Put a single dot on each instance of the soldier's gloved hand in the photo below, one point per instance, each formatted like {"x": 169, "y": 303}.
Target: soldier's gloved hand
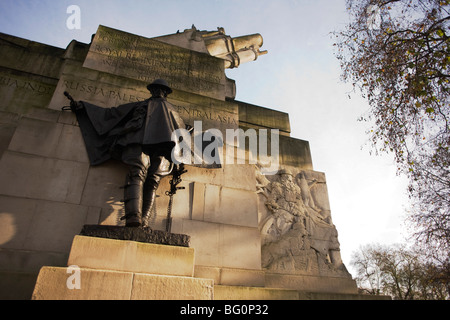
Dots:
{"x": 75, "y": 106}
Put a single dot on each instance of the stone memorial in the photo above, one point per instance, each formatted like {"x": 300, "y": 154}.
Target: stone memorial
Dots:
{"x": 253, "y": 211}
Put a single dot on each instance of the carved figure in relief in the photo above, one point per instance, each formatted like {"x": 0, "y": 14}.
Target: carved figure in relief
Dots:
{"x": 305, "y": 186}
{"x": 295, "y": 235}
{"x": 284, "y": 202}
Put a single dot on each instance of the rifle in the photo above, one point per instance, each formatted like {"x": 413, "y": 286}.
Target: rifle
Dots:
{"x": 73, "y": 104}
{"x": 176, "y": 180}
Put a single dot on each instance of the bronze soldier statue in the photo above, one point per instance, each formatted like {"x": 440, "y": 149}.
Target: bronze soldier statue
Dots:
{"x": 140, "y": 135}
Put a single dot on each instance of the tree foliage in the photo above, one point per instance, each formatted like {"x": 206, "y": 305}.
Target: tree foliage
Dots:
{"x": 397, "y": 53}
{"x": 401, "y": 273}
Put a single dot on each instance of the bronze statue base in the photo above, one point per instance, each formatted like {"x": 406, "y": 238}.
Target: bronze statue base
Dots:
{"x": 141, "y": 234}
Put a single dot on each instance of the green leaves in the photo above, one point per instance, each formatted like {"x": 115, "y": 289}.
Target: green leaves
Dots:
{"x": 440, "y": 33}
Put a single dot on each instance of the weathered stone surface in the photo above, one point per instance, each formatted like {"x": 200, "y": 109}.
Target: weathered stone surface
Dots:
{"x": 155, "y": 287}
{"x": 213, "y": 113}
{"x": 221, "y": 245}
{"x": 231, "y": 277}
{"x": 98, "y": 284}
{"x": 143, "y": 234}
{"x": 145, "y": 59}
{"x": 109, "y": 90}
{"x": 95, "y": 285}
{"x": 311, "y": 283}
{"x": 235, "y": 176}
{"x": 49, "y": 139}
{"x": 41, "y": 225}
{"x": 258, "y": 117}
{"x": 46, "y": 178}
{"x": 298, "y": 236}
{"x": 31, "y": 57}
{"x": 99, "y": 88}
{"x": 102, "y": 185}
{"x": 253, "y": 293}
{"x": 224, "y": 205}
{"x": 23, "y": 92}
{"x": 131, "y": 256}
{"x": 198, "y": 200}
{"x": 16, "y": 285}
{"x": 295, "y": 153}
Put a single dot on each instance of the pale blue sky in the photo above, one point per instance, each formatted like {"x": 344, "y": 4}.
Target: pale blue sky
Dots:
{"x": 300, "y": 75}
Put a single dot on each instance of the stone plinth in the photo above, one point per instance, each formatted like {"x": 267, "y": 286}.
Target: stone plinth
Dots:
{"x": 254, "y": 293}
{"x": 309, "y": 283}
{"x": 115, "y": 285}
{"x": 109, "y": 269}
{"x": 131, "y": 256}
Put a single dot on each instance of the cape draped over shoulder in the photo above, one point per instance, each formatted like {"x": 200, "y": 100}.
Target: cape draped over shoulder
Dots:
{"x": 106, "y": 131}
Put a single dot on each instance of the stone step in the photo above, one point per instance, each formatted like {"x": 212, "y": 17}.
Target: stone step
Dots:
{"x": 131, "y": 256}
{"x": 258, "y": 293}
{"x": 55, "y": 283}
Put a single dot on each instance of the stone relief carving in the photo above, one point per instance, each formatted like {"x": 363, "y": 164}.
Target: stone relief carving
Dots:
{"x": 298, "y": 236}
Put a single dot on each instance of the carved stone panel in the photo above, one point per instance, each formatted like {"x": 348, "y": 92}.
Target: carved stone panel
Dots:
{"x": 21, "y": 92}
{"x": 108, "y": 90}
{"x": 298, "y": 236}
{"x": 146, "y": 59}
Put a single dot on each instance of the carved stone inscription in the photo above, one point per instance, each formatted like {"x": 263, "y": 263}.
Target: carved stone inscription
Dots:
{"x": 211, "y": 116}
{"x": 145, "y": 59}
{"x": 223, "y": 116}
{"x": 20, "y": 92}
{"x": 99, "y": 93}
{"x": 29, "y": 86}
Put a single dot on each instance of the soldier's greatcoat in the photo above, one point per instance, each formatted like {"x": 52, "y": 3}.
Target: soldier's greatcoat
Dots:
{"x": 108, "y": 131}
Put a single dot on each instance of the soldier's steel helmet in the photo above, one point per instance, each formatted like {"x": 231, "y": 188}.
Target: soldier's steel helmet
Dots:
{"x": 161, "y": 83}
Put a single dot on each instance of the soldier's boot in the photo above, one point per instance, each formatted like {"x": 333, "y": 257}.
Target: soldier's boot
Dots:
{"x": 133, "y": 199}
{"x": 147, "y": 206}
{"x": 149, "y": 198}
